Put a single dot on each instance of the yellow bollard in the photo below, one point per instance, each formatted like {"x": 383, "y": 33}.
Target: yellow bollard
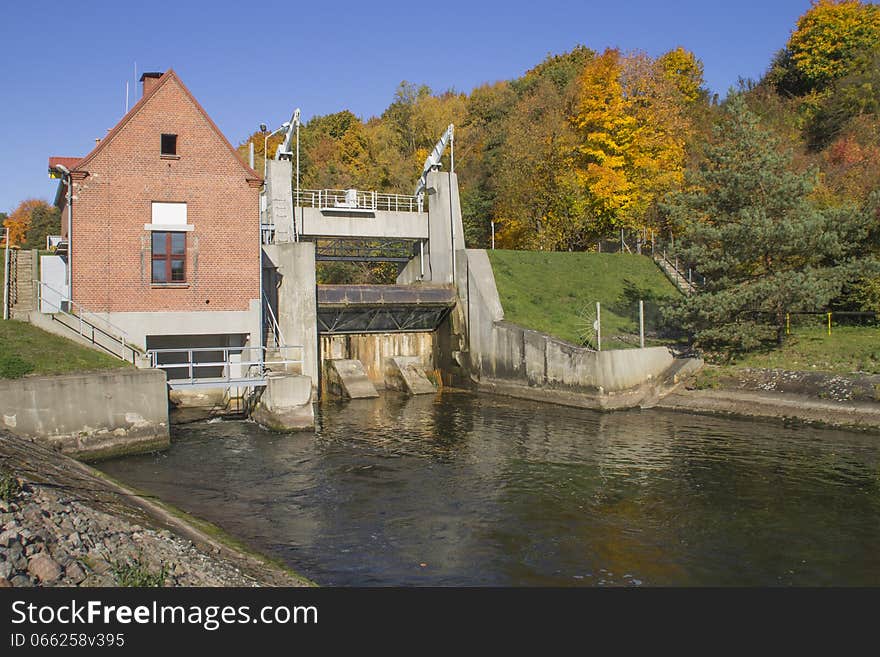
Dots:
{"x": 788, "y": 323}
{"x": 829, "y": 323}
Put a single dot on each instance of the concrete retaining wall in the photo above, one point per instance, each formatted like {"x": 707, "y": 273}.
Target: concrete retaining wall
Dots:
{"x": 91, "y": 415}
{"x": 508, "y": 358}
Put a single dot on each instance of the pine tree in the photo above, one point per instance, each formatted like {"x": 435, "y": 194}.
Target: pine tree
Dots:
{"x": 764, "y": 245}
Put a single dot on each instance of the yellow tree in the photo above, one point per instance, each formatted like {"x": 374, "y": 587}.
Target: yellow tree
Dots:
{"x": 19, "y": 220}
{"x": 633, "y": 128}
{"x": 829, "y": 40}
{"x": 606, "y": 131}
{"x": 682, "y": 68}
{"x": 656, "y": 153}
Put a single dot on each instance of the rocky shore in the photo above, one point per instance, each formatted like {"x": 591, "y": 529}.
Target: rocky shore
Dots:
{"x": 63, "y": 524}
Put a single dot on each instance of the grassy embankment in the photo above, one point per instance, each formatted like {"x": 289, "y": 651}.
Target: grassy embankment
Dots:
{"x": 557, "y": 293}
{"x": 25, "y": 349}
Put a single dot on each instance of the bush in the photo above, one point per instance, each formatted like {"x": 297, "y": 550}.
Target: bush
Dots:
{"x": 14, "y": 367}
{"x": 9, "y": 486}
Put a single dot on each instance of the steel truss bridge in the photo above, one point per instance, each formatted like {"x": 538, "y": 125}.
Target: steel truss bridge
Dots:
{"x": 382, "y": 308}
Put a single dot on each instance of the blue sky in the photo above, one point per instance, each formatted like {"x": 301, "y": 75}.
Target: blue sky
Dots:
{"x": 65, "y": 66}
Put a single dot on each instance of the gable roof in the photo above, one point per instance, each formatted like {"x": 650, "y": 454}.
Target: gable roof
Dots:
{"x": 250, "y": 174}
{"x": 66, "y": 162}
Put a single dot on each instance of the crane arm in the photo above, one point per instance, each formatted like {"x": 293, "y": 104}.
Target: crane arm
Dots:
{"x": 433, "y": 160}
{"x": 283, "y": 152}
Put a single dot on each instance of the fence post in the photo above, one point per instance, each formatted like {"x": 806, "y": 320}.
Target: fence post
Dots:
{"x": 598, "y": 328}
{"x": 641, "y": 324}
{"x": 829, "y": 323}
{"x": 788, "y": 323}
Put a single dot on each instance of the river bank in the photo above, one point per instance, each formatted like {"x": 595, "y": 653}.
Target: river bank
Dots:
{"x": 62, "y": 523}
{"x": 835, "y": 400}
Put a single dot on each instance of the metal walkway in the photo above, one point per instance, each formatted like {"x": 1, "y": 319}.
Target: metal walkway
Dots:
{"x": 224, "y": 367}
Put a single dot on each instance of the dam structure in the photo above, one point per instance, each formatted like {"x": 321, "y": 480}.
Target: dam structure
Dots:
{"x": 441, "y": 321}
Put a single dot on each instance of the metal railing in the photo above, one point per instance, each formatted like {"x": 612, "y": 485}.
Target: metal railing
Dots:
{"x": 272, "y": 323}
{"x": 355, "y": 199}
{"x": 214, "y": 366}
{"x": 86, "y": 323}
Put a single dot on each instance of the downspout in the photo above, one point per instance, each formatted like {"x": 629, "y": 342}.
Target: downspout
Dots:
{"x": 262, "y": 328}
{"x": 6, "y": 279}
{"x": 65, "y": 173}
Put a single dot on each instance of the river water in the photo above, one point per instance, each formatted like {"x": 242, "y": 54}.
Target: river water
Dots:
{"x": 481, "y": 490}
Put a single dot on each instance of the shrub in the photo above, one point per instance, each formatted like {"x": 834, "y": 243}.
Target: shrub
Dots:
{"x": 134, "y": 573}
{"x": 9, "y": 486}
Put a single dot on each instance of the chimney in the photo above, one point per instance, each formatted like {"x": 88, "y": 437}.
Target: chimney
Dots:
{"x": 149, "y": 80}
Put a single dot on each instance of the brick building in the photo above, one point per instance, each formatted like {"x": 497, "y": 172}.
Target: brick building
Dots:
{"x": 165, "y": 225}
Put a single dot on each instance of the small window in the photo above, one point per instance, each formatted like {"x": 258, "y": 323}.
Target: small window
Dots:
{"x": 169, "y": 257}
{"x": 169, "y": 144}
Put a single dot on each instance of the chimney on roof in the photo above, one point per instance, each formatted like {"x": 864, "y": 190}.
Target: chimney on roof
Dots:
{"x": 149, "y": 81}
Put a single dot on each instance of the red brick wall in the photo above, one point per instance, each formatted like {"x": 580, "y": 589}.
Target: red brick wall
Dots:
{"x": 111, "y": 250}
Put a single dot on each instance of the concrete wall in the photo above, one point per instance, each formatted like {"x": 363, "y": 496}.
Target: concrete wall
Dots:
{"x": 502, "y": 352}
{"x": 379, "y": 223}
{"x": 90, "y": 415}
{"x": 138, "y": 325}
{"x": 372, "y": 349}
{"x": 297, "y": 306}
{"x": 446, "y": 232}
{"x": 280, "y": 198}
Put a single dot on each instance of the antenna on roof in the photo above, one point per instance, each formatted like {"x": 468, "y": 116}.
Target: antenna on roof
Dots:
{"x": 126, "y": 96}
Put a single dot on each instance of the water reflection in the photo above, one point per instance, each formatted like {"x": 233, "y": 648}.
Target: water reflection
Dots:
{"x": 461, "y": 489}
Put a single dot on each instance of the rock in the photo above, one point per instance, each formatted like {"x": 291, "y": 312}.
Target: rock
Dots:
{"x": 75, "y": 573}
{"x": 8, "y": 537}
{"x": 22, "y": 580}
{"x": 44, "y": 568}
{"x": 6, "y": 570}
{"x": 5, "y": 583}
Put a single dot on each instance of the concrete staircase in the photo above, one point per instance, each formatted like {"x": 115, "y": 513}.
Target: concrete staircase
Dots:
{"x": 22, "y": 270}
{"x": 673, "y": 274}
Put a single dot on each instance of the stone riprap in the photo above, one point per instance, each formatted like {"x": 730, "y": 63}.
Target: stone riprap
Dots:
{"x": 50, "y": 539}
{"x": 64, "y": 524}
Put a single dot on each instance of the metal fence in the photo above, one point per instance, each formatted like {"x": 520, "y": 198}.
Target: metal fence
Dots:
{"x": 357, "y": 200}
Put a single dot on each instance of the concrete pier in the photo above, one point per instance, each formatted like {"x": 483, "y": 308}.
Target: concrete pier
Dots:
{"x": 286, "y": 403}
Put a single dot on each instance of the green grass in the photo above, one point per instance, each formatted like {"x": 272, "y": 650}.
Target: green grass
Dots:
{"x": 556, "y": 292}
{"x": 25, "y": 349}
{"x": 135, "y": 573}
{"x": 848, "y": 349}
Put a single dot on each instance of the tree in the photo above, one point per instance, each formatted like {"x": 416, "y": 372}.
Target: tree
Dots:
{"x": 685, "y": 71}
{"x": 45, "y": 220}
{"x": 539, "y": 197}
{"x": 764, "y": 244}
{"x": 633, "y": 125}
{"x": 20, "y": 220}
{"x": 829, "y": 42}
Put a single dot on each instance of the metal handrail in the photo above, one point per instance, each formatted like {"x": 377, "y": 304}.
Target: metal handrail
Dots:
{"x": 247, "y": 364}
{"x": 354, "y": 199}
{"x": 276, "y": 328}
{"x": 113, "y": 332}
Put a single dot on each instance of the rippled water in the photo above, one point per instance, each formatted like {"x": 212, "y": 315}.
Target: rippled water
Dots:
{"x": 481, "y": 490}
